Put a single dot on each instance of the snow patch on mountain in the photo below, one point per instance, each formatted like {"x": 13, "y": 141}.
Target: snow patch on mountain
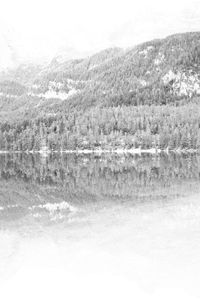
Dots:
{"x": 56, "y": 90}
{"x": 183, "y": 83}
{"x": 159, "y": 60}
{"x": 60, "y": 95}
{"x": 146, "y": 51}
{"x": 6, "y": 95}
{"x": 143, "y": 82}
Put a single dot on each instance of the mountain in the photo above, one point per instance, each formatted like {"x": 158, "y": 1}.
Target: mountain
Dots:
{"x": 158, "y": 62}
{"x": 152, "y": 86}
{"x": 48, "y": 84}
{"x": 68, "y": 53}
{"x": 157, "y": 71}
{"x": 163, "y": 67}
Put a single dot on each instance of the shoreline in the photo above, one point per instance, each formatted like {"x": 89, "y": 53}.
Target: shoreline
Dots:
{"x": 153, "y": 151}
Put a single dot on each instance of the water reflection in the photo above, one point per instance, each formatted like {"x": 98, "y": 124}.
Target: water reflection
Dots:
{"x": 108, "y": 227}
{"x": 54, "y": 188}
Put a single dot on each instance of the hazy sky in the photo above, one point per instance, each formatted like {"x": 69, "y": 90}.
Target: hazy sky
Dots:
{"x": 41, "y": 28}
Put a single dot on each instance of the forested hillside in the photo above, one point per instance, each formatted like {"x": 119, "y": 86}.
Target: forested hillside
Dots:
{"x": 147, "y": 96}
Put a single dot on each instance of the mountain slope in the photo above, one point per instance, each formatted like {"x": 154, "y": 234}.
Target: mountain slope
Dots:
{"x": 159, "y": 71}
{"x": 156, "y": 72}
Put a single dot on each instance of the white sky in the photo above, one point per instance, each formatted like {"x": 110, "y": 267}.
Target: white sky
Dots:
{"x": 41, "y": 28}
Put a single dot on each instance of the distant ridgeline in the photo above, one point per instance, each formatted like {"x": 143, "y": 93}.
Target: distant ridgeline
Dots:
{"x": 147, "y": 96}
{"x": 29, "y": 181}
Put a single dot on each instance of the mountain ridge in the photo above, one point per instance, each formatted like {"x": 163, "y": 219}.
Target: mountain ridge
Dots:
{"x": 170, "y": 65}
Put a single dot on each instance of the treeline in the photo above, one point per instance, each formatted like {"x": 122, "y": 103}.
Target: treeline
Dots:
{"x": 107, "y": 128}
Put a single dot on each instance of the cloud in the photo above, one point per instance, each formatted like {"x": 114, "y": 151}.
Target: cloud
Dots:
{"x": 158, "y": 22}
{"x": 41, "y": 28}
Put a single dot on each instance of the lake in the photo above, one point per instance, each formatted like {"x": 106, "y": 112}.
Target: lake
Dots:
{"x": 99, "y": 226}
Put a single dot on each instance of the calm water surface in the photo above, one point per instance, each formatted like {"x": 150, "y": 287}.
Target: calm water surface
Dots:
{"x": 99, "y": 227}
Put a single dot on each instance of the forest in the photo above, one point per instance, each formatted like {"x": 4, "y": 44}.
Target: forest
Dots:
{"x": 121, "y": 127}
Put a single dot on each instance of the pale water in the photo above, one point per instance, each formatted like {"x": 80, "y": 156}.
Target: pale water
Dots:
{"x": 99, "y": 227}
